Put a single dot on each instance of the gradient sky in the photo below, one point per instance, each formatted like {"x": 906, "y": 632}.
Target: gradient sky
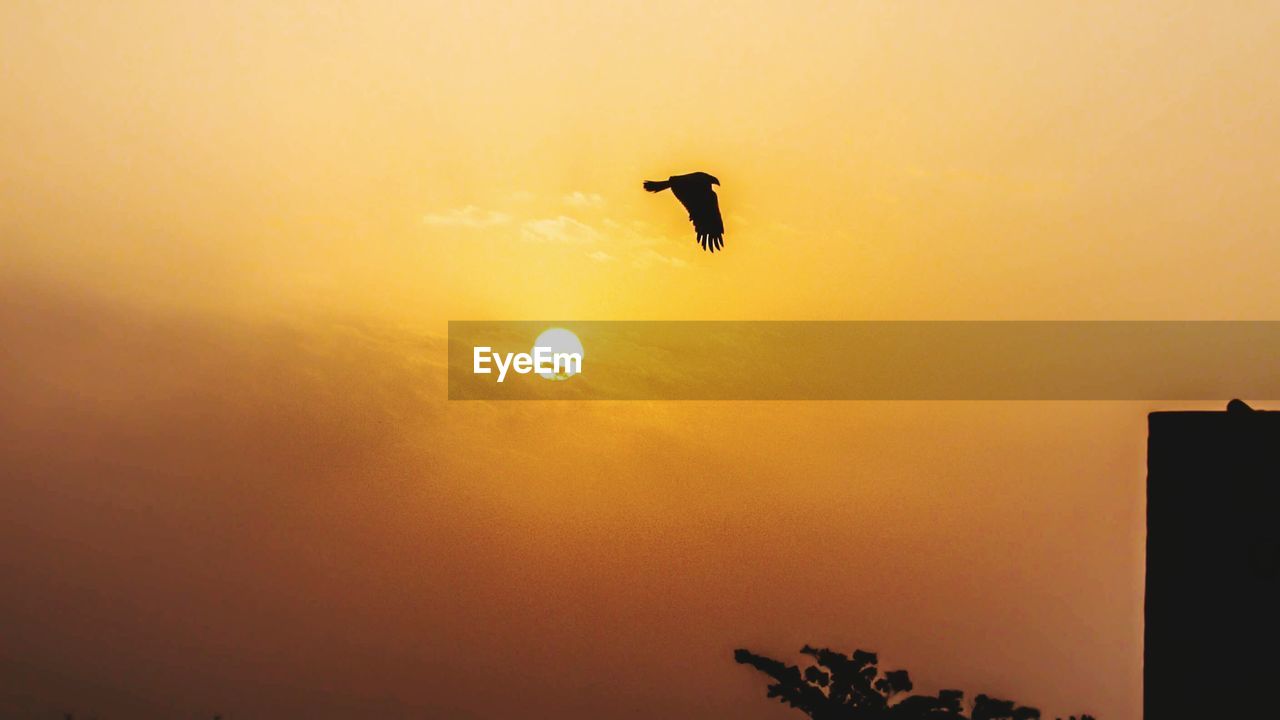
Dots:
{"x": 231, "y": 236}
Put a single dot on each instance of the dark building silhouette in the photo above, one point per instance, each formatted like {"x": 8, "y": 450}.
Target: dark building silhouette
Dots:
{"x": 1213, "y": 564}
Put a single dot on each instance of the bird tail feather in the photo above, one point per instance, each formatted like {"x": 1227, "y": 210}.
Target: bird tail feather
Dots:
{"x": 656, "y": 185}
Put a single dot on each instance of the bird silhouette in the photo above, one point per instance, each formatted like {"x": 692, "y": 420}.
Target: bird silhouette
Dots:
{"x": 695, "y": 193}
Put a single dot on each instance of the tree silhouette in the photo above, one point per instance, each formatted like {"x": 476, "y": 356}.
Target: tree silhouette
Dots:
{"x": 851, "y": 687}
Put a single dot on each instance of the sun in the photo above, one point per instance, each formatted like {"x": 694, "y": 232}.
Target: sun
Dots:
{"x": 560, "y": 340}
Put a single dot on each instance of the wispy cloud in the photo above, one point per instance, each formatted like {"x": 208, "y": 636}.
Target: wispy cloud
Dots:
{"x": 469, "y": 216}
{"x": 580, "y": 199}
{"x": 562, "y": 229}
{"x": 630, "y": 242}
{"x": 646, "y": 257}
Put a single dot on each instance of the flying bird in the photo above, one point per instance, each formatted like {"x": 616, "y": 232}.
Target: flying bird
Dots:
{"x": 695, "y": 193}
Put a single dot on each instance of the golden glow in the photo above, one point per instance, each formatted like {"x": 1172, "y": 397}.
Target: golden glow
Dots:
{"x": 233, "y": 234}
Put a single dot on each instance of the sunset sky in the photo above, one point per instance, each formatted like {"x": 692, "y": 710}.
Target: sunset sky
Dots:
{"x": 232, "y": 234}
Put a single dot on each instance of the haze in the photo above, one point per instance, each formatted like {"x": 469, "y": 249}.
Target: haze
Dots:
{"x": 231, "y": 236}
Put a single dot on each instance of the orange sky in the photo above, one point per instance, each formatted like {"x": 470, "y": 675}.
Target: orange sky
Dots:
{"x": 233, "y": 235}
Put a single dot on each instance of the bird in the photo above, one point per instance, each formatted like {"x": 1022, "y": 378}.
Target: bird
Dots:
{"x": 1239, "y": 406}
{"x": 695, "y": 193}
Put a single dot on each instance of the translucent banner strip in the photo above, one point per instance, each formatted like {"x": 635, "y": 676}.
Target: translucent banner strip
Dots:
{"x": 864, "y": 360}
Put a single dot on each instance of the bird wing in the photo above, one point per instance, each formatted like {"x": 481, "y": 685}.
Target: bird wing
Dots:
{"x": 704, "y": 211}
